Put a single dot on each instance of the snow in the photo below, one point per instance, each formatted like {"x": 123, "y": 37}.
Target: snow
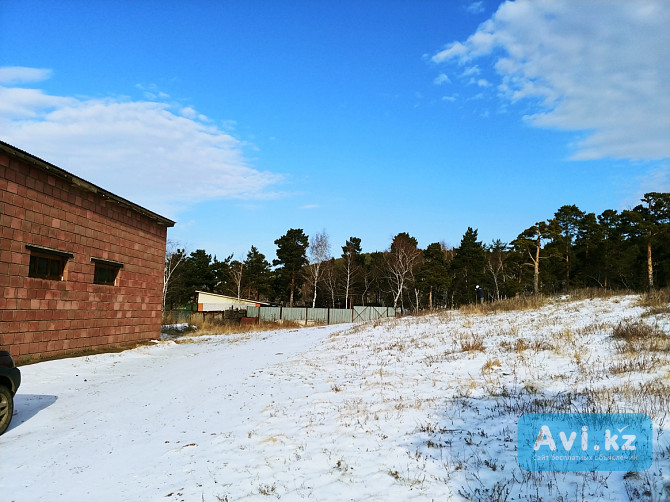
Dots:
{"x": 395, "y": 409}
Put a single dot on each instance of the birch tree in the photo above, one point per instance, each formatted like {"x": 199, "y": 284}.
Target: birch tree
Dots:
{"x": 401, "y": 260}
{"x": 319, "y": 254}
{"x": 330, "y": 279}
{"x": 236, "y": 272}
{"x": 495, "y": 263}
{"x": 173, "y": 258}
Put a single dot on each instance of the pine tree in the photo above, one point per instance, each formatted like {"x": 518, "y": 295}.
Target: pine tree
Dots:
{"x": 224, "y": 282}
{"x": 529, "y": 246}
{"x": 291, "y": 258}
{"x": 587, "y": 269}
{"x": 650, "y": 224}
{"x": 567, "y": 221}
{"x": 608, "y": 248}
{"x": 433, "y": 275}
{"x": 468, "y": 268}
{"x": 257, "y": 275}
{"x": 351, "y": 252}
{"x": 195, "y": 274}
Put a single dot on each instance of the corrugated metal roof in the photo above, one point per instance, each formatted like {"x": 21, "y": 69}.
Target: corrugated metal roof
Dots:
{"x": 206, "y": 297}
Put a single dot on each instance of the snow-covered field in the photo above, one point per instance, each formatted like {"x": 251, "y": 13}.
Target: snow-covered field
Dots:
{"x": 416, "y": 408}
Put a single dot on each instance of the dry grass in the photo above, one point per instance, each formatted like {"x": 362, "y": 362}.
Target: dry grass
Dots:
{"x": 521, "y": 344}
{"x": 637, "y": 338}
{"x": 530, "y": 302}
{"x": 471, "y": 342}
{"x": 656, "y": 301}
{"x": 641, "y": 363}
{"x": 208, "y": 327}
{"x": 591, "y": 293}
{"x": 491, "y": 370}
{"x": 658, "y": 298}
{"x": 490, "y": 364}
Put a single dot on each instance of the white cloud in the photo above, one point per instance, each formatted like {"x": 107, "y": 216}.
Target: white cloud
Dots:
{"x": 601, "y": 67}
{"x": 152, "y": 92}
{"x": 442, "y": 78}
{"x": 454, "y": 50}
{"x": 475, "y": 7}
{"x": 189, "y": 112}
{"x": 25, "y": 104}
{"x": 470, "y": 71}
{"x": 10, "y": 75}
{"x": 145, "y": 151}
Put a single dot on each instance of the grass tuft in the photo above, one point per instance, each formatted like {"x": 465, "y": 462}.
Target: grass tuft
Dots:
{"x": 656, "y": 301}
{"x": 472, "y": 342}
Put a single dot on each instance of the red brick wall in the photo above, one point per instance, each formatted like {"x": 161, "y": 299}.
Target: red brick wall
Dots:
{"x": 42, "y": 318}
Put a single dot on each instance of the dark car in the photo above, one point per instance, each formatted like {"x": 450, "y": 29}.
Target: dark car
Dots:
{"x": 10, "y": 379}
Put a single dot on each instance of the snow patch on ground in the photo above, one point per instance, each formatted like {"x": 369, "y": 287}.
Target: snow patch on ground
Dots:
{"x": 415, "y": 408}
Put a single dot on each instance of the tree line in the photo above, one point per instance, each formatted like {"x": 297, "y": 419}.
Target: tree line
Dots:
{"x": 628, "y": 250}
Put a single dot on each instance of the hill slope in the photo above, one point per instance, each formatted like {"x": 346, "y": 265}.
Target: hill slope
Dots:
{"x": 415, "y": 408}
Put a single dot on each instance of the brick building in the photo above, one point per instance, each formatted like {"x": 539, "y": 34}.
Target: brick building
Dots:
{"x": 80, "y": 268}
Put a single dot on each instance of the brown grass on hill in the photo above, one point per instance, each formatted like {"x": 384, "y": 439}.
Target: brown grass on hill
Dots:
{"x": 209, "y": 327}
{"x": 524, "y": 302}
{"x": 656, "y": 301}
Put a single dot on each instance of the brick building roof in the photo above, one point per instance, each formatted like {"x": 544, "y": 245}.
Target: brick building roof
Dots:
{"x": 76, "y": 180}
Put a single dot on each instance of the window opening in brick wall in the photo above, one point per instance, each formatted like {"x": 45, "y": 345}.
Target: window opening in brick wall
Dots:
{"x": 106, "y": 271}
{"x": 46, "y": 263}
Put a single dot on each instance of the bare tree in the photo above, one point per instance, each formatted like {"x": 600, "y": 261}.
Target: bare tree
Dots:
{"x": 365, "y": 287}
{"x": 173, "y": 258}
{"x": 495, "y": 263}
{"x": 319, "y": 254}
{"x": 236, "y": 269}
{"x": 330, "y": 278}
{"x": 401, "y": 260}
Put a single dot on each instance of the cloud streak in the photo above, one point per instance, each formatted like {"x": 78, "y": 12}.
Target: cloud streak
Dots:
{"x": 600, "y": 67}
{"x": 163, "y": 157}
{"x": 23, "y": 75}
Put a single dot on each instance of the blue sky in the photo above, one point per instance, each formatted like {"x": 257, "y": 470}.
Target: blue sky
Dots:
{"x": 242, "y": 119}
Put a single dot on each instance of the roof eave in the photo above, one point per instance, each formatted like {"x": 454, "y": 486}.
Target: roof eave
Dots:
{"x": 82, "y": 183}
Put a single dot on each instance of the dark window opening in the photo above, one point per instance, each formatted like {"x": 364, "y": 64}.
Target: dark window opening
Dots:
{"x": 46, "y": 267}
{"x": 105, "y": 272}
{"x": 47, "y": 263}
